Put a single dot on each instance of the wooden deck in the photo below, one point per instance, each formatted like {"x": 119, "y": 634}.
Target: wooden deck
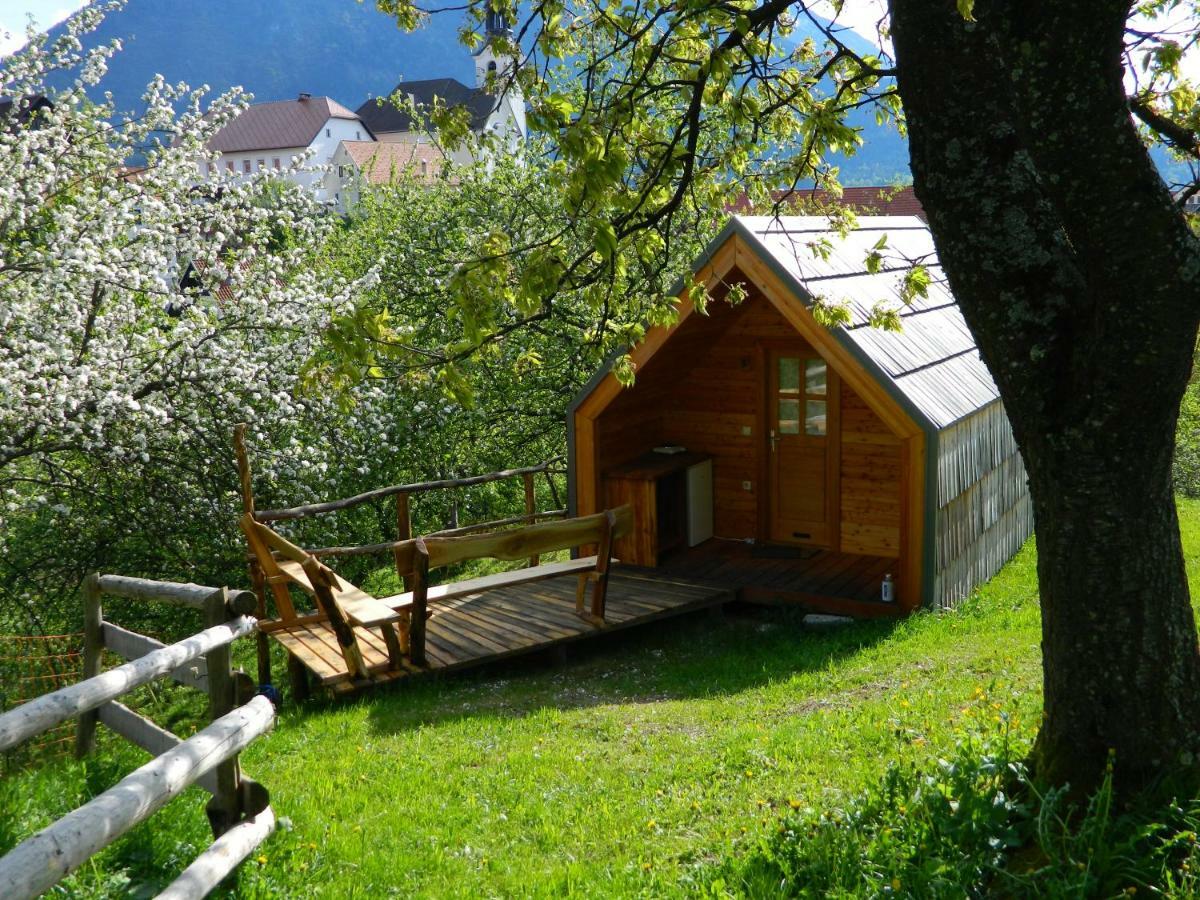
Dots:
{"x": 500, "y": 623}
{"x": 841, "y": 583}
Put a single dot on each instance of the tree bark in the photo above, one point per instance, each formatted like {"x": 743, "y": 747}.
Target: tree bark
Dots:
{"x": 1081, "y": 282}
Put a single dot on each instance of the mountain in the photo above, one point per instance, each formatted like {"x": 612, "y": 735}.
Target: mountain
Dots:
{"x": 340, "y": 48}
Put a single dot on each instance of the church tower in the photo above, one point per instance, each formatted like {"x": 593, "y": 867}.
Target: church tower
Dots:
{"x": 508, "y": 116}
{"x": 486, "y": 61}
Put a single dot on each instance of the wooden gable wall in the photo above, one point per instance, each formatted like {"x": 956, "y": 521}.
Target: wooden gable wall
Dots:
{"x": 702, "y": 383}
{"x": 720, "y": 397}
{"x": 871, "y": 500}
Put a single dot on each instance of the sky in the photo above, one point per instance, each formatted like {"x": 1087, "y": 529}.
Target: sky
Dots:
{"x": 14, "y": 15}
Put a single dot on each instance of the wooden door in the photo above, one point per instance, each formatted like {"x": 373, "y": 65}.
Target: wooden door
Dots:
{"x": 801, "y": 448}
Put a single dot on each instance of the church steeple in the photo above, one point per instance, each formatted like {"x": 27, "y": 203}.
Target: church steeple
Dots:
{"x": 493, "y": 72}
{"x": 496, "y": 25}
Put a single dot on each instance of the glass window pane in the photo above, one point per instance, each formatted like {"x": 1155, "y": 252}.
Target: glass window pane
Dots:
{"x": 814, "y": 417}
{"x": 789, "y": 375}
{"x": 815, "y": 377}
{"x": 789, "y": 416}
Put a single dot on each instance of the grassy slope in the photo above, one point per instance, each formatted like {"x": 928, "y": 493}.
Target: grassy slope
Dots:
{"x": 625, "y": 772}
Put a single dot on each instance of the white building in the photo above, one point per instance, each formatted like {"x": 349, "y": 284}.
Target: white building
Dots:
{"x": 501, "y": 114}
{"x": 278, "y": 134}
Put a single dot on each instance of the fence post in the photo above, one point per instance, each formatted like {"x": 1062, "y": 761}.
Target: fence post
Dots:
{"x": 258, "y": 583}
{"x": 225, "y": 808}
{"x": 530, "y": 508}
{"x": 416, "y": 629}
{"x": 93, "y": 660}
{"x": 403, "y": 533}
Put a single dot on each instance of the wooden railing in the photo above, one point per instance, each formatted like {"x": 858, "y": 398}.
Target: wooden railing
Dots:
{"x": 239, "y": 812}
{"x": 402, "y": 494}
{"x": 403, "y": 511}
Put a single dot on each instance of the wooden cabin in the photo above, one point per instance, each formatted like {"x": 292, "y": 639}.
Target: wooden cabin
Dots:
{"x": 799, "y": 462}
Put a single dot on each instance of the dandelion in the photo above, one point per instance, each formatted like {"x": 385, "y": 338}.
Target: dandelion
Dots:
{"x": 261, "y": 860}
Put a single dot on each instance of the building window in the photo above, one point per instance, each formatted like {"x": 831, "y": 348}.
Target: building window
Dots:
{"x": 246, "y": 166}
{"x": 815, "y": 396}
{"x": 424, "y": 167}
{"x": 358, "y": 135}
{"x": 327, "y": 134}
{"x": 212, "y": 170}
{"x": 261, "y": 164}
{"x": 275, "y": 162}
{"x": 229, "y": 164}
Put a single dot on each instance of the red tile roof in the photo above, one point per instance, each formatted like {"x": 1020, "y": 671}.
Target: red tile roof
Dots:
{"x": 875, "y": 201}
{"x": 381, "y": 161}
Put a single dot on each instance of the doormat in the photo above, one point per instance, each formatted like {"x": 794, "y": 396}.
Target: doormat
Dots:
{"x": 779, "y": 551}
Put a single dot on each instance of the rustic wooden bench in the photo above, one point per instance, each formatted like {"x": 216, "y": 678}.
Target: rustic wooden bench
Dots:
{"x": 356, "y": 637}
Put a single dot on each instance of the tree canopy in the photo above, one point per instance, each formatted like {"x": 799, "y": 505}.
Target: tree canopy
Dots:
{"x": 1071, "y": 259}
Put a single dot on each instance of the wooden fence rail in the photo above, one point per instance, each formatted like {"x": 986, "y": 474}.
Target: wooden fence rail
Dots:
{"x": 45, "y": 712}
{"x": 313, "y": 509}
{"x": 239, "y": 811}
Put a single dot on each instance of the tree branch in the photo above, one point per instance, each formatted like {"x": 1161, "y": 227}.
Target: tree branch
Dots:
{"x": 1182, "y": 138}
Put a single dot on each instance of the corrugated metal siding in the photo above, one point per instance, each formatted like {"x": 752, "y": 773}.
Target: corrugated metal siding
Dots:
{"x": 984, "y": 513}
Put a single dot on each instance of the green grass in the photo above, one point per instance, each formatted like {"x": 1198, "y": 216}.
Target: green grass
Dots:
{"x": 633, "y": 770}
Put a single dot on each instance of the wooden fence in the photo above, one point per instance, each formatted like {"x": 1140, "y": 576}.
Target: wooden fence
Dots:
{"x": 239, "y": 812}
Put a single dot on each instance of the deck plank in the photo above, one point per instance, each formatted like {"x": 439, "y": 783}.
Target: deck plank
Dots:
{"x": 501, "y": 622}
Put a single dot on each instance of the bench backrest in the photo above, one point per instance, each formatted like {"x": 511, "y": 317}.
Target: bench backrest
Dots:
{"x": 531, "y": 540}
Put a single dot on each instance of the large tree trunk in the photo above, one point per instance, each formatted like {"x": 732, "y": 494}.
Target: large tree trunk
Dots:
{"x": 1081, "y": 283}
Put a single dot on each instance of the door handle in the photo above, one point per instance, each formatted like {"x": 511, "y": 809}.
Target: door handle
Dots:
{"x": 774, "y": 440}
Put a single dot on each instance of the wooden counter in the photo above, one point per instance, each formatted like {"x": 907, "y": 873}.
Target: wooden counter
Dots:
{"x": 655, "y": 485}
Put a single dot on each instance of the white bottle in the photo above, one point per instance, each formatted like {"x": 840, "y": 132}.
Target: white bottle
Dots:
{"x": 888, "y": 591}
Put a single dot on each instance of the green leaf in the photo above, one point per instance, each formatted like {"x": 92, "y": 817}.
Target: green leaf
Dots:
{"x": 605, "y": 239}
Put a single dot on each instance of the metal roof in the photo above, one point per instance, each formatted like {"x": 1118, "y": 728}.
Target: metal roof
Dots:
{"x": 384, "y": 117}
{"x": 279, "y": 124}
{"x": 932, "y": 362}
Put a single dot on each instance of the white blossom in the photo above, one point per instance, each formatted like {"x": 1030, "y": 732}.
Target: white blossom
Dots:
{"x": 106, "y": 350}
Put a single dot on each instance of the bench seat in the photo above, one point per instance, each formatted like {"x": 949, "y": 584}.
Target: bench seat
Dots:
{"x": 455, "y": 589}
{"x": 359, "y": 606}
